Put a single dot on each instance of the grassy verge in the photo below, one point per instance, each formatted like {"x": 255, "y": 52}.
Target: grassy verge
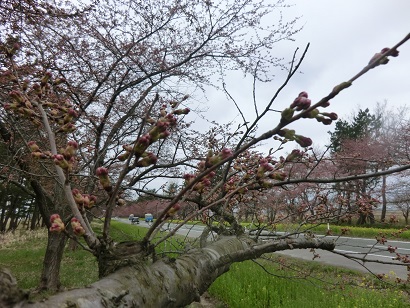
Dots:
{"x": 247, "y": 284}
{"x": 292, "y": 283}
{"x": 390, "y": 231}
{"x": 399, "y": 233}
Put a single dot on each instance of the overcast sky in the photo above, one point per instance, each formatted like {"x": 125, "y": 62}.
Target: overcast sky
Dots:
{"x": 343, "y": 36}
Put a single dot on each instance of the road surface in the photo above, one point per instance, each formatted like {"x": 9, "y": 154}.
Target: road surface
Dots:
{"x": 358, "y": 247}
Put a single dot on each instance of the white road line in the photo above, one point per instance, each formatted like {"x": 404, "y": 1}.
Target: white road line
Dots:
{"x": 362, "y": 253}
{"x": 385, "y": 247}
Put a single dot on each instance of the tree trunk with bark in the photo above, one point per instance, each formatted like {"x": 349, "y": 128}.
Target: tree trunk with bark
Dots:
{"x": 169, "y": 282}
{"x": 50, "y": 275}
{"x": 384, "y": 199}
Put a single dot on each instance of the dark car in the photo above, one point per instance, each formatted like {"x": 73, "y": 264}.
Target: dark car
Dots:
{"x": 134, "y": 219}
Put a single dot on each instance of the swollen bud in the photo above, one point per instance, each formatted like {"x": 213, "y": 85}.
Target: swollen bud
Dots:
{"x": 148, "y": 159}
{"x": 287, "y": 114}
{"x": 45, "y": 79}
{"x": 102, "y": 174}
{"x": 295, "y": 154}
{"x": 57, "y": 224}
{"x": 124, "y": 156}
{"x": 77, "y": 227}
{"x": 279, "y": 176}
{"x": 33, "y": 146}
{"x": 303, "y": 141}
{"x": 287, "y": 133}
{"x": 172, "y": 211}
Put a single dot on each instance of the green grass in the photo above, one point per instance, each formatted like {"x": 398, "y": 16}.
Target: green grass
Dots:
{"x": 248, "y": 285}
{"x": 245, "y": 285}
{"x": 354, "y": 231}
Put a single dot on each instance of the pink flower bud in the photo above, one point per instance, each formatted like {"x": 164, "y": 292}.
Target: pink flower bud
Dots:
{"x": 127, "y": 148}
{"x": 77, "y": 228}
{"x": 54, "y": 217}
{"x": 45, "y": 79}
{"x": 33, "y": 146}
{"x": 149, "y": 159}
{"x": 164, "y": 134}
{"x": 105, "y": 182}
{"x": 301, "y": 103}
{"x": 303, "y": 141}
{"x": 17, "y": 96}
{"x": 225, "y": 153}
{"x": 59, "y": 81}
{"x": 295, "y": 154}
{"x": 57, "y": 224}
{"x": 333, "y": 116}
{"x": 101, "y": 171}
{"x": 279, "y": 176}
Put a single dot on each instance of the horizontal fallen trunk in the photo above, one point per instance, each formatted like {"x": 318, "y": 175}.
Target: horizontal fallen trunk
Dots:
{"x": 172, "y": 283}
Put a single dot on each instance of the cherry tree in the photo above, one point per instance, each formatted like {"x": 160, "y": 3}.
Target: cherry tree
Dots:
{"x": 94, "y": 97}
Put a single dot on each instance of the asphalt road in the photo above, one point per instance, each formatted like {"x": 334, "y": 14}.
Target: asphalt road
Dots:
{"x": 362, "y": 248}
{"x": 356, "y": 247}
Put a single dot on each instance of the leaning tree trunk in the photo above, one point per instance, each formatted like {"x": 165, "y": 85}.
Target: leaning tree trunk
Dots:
{"x": 50, "y": 275}
{"x": 170, "y": 283}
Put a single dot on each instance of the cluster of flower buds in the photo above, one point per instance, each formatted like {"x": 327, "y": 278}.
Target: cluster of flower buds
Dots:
{"x": 147, "y": 159}
{"x": 66, "y": 158}
{"x": 11, "y": 47}
{"x": 61, "y": 113}
{"x": 289, "y": 134}
{"x": 278, "y": 176}
{"x": 105, "y": 182}
{"x": 160, "y": 129}
{"x": 21, "y": 105}
{"x": 383, "y": 60}
{"x": 302, "y": 102}
{"x": 172, "y": 211}
{"x": 267, "y": 172}
{"x": 231, "y": 183}
{"x": 36, "y": 152}
{"x": 60, "y": 161}
{"x": 83, "y": 200}
{"x": 119, "y": 199}
{"x": 212, "y": 159}
{"x": 326, "y": 117}
{"x": 264, "y": 166}
{"x": 203, "y": 183}
{"x": 77, "y": 227}
{"x": 57, "y": 224}
{"x": 294, "y": 155}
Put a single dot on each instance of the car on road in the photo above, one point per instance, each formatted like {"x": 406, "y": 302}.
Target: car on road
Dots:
{"x": 149, "y": 218}
{"x": 134, "y": 219}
